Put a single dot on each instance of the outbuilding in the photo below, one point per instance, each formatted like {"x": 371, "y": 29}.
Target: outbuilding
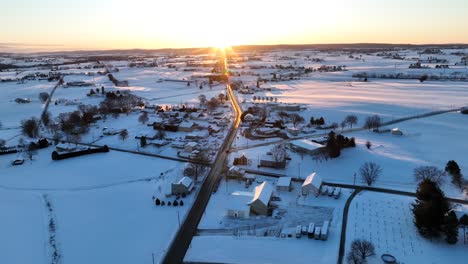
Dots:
{"x": 312, "y": 184}
{"x": 284, "y": 184}
{"x": 261, "y": 199}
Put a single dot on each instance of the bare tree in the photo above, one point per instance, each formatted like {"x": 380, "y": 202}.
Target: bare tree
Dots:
{"x": 202, "y": 99}
{"x": 160, "y": 134}
{"x": 123, "y": 135}
{"x": 343, "y": 125}
{"x": 373, "y": 122}
{"x": 296, "y": 119}
{"x": 429, "y": 173}
{"x": 360, "y": 250}
{"x": 351, "y": 120}
{"x": 199, "y": 164}
{"x": 30, "y": 127}
{"x": 279, "y": 153}
{"x": 369, "y": 172}
{"x": 143, "y": 118}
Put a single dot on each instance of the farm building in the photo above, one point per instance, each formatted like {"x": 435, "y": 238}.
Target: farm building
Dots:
{"x": 184, "y": 185}
{"x": 187, "y": 126}
{"x": 261, "y": 199}
{"x": 191, "y": 146}
{"x": 271, "y": 162}
{"x": 397, "y": 132}
{"x": 306, "y": 146}
{"x": 198, "y": 135}
{"x": 237, "y": 205}
{"x": 312, "y": 184}
{"x": 283, "y": 184}
{"x": 242, "y": 160}
{"x": 66, "y": 147}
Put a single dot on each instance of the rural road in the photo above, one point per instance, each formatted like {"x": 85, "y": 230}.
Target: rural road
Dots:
{"x": 183, "y": 238}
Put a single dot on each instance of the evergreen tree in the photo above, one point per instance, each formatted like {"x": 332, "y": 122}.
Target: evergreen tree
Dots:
{"x": 430, "y": 208}
{"x": 451, "y": 228}
{"x": 332, "y": 146}
{"x": 143, "y": 141}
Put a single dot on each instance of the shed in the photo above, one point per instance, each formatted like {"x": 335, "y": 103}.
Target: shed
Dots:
{"x": 283, "y": 184}
{"x": 261, "y": 199}
{"x": 184, "y": 185}
{"x": 306, "y": 146}
{"x": 312, "y": 184}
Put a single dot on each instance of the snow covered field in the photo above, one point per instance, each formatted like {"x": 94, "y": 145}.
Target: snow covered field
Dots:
{"x": 102, "y": 205}
{"x": 431, "y": 141}
{"x": 386, "y": 220}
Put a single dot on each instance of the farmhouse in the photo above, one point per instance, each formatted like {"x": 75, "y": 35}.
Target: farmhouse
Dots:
{"x": 184, "y": 185}
{"x": 312, "y": 184}
{"x": 283, "y": 184}
{"x": 261, "y": 199}
{"x": 306, "y": 146}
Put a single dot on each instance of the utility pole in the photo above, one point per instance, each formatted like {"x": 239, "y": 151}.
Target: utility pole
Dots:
{"x": 354, "y": 183}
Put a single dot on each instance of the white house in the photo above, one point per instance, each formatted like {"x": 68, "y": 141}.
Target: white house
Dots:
{"x": 283, "y": 184}
{"x": 312, "y": 184}
{"x": 184, "y": 185}
{"x": 191, "y": 146}
{"x": 261, "y": 199}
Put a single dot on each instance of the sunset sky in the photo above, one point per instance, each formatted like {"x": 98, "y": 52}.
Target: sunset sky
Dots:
{"x": 117, "y": 24}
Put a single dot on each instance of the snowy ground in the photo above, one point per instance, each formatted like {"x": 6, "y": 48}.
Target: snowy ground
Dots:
{"x": 97, "y": 200}
{"x": 386, "y": 220}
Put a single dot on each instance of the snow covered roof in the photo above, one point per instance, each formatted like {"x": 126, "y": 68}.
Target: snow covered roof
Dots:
{"x": 238, "y": 202}
{"x": 262, "y": 193}
{"x": 284, "y": 182}
{"x": 186, "y": 124}
{"x": 313, "y": 180}
{"x": 192, "y": 144}
{"x": 186, "y": 181}
{"x": 306, "y": 144}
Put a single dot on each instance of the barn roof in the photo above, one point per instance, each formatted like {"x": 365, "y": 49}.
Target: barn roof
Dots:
{"x": 313, "y": 180}
{"x": 262, "y": 193}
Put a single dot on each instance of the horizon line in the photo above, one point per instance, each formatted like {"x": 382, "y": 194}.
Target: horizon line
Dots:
{"x": 304, "y": 45}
